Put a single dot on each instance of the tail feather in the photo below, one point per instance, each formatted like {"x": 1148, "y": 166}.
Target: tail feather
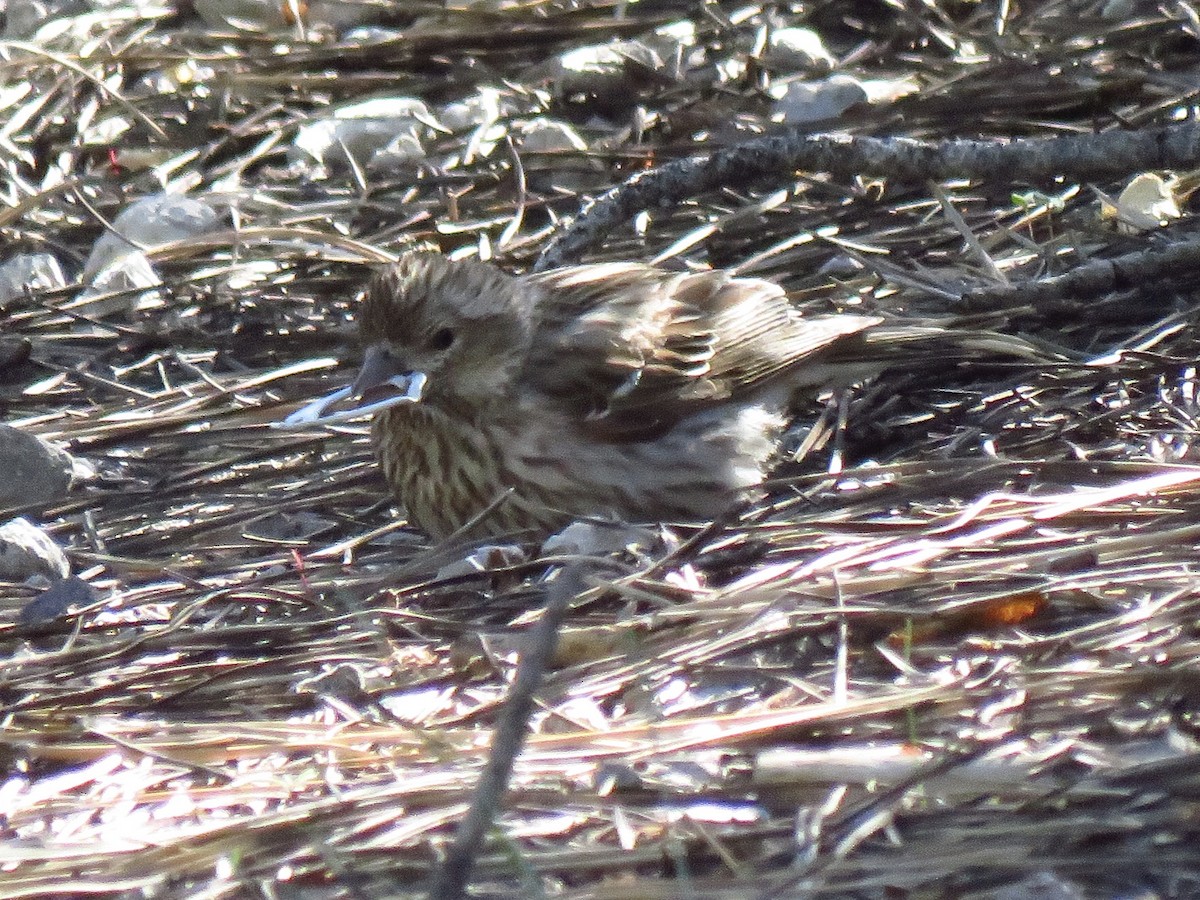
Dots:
{"x": 922, "y": 340}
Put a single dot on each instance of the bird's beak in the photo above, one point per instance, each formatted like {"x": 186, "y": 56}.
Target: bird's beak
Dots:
{"x": 382, "y": 383}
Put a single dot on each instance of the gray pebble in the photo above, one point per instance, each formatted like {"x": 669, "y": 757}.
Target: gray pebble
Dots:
{"x": 31, "y": 470}
{"x": 56, "y": 601}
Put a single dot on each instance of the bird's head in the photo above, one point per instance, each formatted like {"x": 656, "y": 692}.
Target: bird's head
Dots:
{"x": 434, "y": 331}
{"x": 463, "y": 327}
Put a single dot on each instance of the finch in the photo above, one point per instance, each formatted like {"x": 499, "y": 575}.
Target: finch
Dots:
{"x": 520, "y": 403}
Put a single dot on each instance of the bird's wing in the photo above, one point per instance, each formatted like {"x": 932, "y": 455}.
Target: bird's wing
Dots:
{"x": 628, "y": 350}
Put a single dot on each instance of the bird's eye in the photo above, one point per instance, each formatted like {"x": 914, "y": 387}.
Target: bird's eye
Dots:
{"x": 442, "y": 339}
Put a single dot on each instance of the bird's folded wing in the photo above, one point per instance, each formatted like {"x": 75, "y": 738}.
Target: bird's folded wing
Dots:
{"x": 626, "y": 350}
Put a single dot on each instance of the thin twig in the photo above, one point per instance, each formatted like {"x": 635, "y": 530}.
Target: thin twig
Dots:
{"x": 451, "y": 880}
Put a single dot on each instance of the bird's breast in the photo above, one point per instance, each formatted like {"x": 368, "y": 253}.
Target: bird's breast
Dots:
{"x": 447, "y": 469}
{"x": 523, "y": 467}
{"x": 440, "y": 468}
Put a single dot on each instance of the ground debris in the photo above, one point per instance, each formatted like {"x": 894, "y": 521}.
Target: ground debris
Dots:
{"x": 952, "y": 652}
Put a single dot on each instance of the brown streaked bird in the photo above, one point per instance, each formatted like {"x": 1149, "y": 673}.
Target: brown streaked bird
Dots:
{"x": 614, "y": 389}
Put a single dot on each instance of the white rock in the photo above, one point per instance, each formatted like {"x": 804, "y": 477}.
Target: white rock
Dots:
{"x": 482, "y": 108}
{"x": 816, "y": 101}
{"x": 485, "y": 559}
{"x": 544, "y": 135}
{"x": 29, "y": 272}
{"x": 1146, "y": 203}
{"x": 385, "y": 108}
{"x": 127, "y": 282}
{"x": 404, "y": 150}
{"x": 151, "y": 222}
{"x": 26, "y": 550}
{"x": 107, "y": 131}
{"x": 479, "y": 116}
{"x": 598, "y": 539}
{"x": 333, "y": 142}
{"x": 551, "y": 136}
{"x": 362, "y": 130}
{"x": 609, "y": 74}
{"x": 592, "y": 59}
{"x": 802, "y": 101}
{"x": 798, "y": 50}
{"x": 681, "y": 34}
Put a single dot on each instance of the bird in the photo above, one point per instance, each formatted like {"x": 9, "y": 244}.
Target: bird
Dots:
{"x": 519, "y": 403}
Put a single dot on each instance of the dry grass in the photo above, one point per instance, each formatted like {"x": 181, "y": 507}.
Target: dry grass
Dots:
{"x": 953, "y": 654}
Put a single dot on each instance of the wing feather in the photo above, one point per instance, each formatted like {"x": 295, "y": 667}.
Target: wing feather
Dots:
{"x": 628, "y": 350}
